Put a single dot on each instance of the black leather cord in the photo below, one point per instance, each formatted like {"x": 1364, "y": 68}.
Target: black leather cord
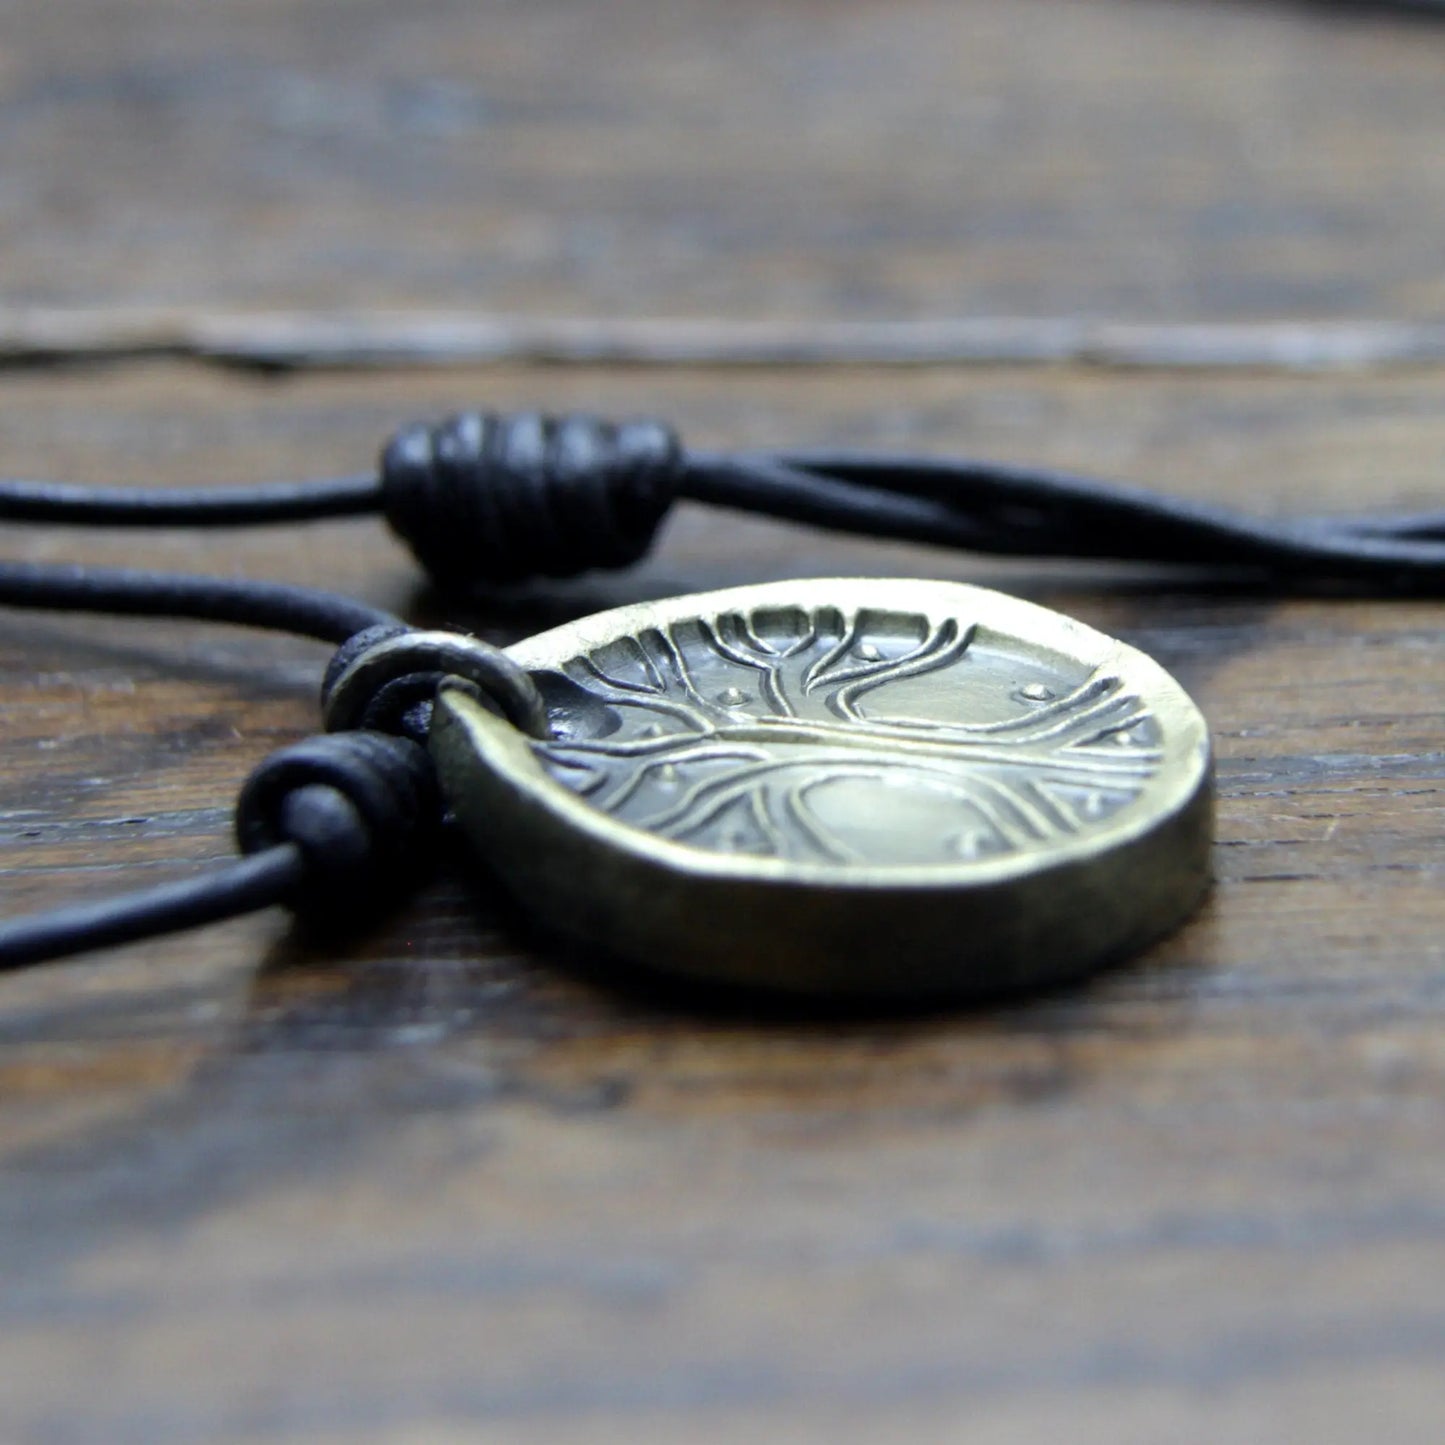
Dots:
{"x": 244, "y": 886}
{"x": 333, "y": 825}
{"x": 484, "y": 500}
{"x": 23, "y": 501}
{"x": 1030, "y": 511}
{"x": 488, "y": 499}
{"x": 274, "y": 605}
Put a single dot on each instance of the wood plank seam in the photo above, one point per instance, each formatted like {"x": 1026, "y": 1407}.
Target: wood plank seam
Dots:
{"x": 287, "y": 340}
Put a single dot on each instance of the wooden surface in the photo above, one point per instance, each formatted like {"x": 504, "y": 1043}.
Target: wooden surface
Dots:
{"x": 428, "y": 1187}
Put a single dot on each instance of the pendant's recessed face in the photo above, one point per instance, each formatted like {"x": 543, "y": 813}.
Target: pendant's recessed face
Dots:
{"x": 854, "y": 786}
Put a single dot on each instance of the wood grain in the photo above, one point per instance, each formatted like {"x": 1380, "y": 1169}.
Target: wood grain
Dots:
{"x": 1116, "y": 159}
{"x": 437, "y": 1183}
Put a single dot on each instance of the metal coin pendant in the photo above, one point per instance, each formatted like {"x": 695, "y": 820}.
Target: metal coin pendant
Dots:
{"x": 856, "y": 787}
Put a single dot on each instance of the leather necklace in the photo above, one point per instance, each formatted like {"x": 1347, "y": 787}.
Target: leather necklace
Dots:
{"x": 854, "y": 788}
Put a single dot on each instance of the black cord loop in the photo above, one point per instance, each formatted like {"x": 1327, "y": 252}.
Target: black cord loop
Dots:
{"x": 499, "y": 499}
{"x": 381, "y": 678}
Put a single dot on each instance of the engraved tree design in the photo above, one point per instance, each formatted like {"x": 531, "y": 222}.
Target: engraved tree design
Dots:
{"x": 769, "y": 732}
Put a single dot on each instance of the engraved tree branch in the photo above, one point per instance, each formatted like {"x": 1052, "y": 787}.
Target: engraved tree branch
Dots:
{"x": 687, "y": 755}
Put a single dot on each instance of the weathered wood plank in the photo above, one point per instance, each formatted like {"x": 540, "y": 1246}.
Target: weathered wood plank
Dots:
{"x": 1133, "y": 159}
{"x": 429, "y": 1185}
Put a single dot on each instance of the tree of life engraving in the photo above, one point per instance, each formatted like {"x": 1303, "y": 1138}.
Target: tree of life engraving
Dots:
{"x": 845, "y": 736}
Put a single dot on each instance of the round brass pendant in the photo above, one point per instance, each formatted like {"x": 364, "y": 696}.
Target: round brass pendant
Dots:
{"x": 847, "y": 787}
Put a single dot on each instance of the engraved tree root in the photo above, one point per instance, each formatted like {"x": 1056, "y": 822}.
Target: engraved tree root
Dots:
{"x": 974, "y": 772}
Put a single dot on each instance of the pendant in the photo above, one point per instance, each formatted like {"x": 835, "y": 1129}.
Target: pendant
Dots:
{"x": 852, "y": 788}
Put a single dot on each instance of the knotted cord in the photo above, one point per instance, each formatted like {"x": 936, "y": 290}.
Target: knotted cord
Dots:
{"x": 484, "y": 500}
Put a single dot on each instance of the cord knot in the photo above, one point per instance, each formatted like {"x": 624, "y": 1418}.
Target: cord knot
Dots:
{"x": 363, "y": 808}
{"x": 481, "y": 498}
